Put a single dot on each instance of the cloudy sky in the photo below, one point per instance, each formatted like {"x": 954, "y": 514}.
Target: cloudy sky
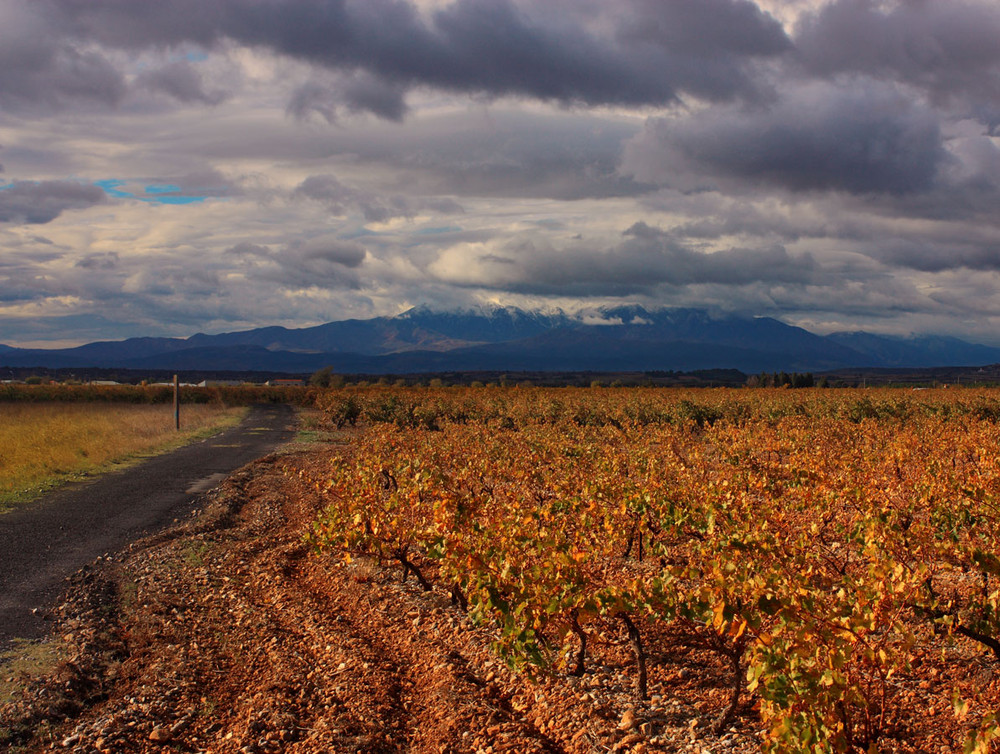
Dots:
{"x": 215, "y": 165}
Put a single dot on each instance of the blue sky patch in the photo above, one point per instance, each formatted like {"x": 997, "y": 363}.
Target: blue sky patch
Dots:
{"x": 167, "y": 193}
{"x": 111, "y": 188}
{"x": 154, "y": 193}
{"x": 162, "y": 188}
{"x": 437, "y": 231}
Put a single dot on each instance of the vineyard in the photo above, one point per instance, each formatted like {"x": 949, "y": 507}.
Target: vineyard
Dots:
{"x": 835, "y": 552}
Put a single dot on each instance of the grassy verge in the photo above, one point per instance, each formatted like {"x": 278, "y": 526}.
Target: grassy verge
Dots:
{"x": 45, "y": 445}
{"x": 26, "y": 660}
{"x": 314, "y": 428}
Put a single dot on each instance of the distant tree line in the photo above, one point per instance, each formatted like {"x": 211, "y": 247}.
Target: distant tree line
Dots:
{"x": 327, "y": 377}
{"x": 784, "y": 379}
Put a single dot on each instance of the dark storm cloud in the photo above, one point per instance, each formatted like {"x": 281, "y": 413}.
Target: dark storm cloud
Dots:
{"x": 493, "y": 47}
{"x": 41, "y": 69}
{"x": 173, "y": 281}
{"x": 34, "y": 202}
{"x": 709, "y": 28}
{"x": 321, "y": 252}
{"x": 679, "y": 264}
{"x": 947, "y": 48}
{"x": 105, "y": 261}
{"x": 328, "y": 190}
{"x": 27, "y": 274}
{"x": 859, "y": 141}
{"x": 247, "y": 250}
{"x": 323, "y": 261}
{"x": 965, "y": 194}
{"x": 704, "y": 43}
{"x": 180, "y": 80}
{"x": 16, "y": 287}
{"x": 364, "y": 93}
{"x": 505, "y": 153}
{"x": 937, "y": 256}
{"x": 341, "y": 199}
{"x": 648, "y": 259}
{"x": 61, "y": 77}
{"x": 358, "y": 93}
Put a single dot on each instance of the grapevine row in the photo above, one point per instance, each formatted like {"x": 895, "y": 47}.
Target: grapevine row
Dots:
{"x": 820, "y": 557}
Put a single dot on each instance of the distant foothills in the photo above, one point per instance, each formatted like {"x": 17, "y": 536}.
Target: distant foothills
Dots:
{"x": 507, "y": 339}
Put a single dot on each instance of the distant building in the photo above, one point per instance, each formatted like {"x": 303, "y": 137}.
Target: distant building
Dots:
{"x": 104, "y": 382}
{"x": 219, "y": 383}
{"x": 285, "y": 383}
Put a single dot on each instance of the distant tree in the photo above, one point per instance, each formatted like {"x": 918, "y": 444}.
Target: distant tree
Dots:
{"x": 326, "y": 378}
{"x": 321, "y": 377}
{"x": 802, "y": 380}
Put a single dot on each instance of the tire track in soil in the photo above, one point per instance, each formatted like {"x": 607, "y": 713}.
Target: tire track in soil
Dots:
{"x": 417, "y": 687}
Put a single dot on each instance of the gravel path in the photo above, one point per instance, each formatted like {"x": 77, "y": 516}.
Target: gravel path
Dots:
{"x": 43, "y": 543}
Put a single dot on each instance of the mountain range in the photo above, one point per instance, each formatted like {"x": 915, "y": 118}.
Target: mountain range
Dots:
{"x": 610, "y": 339}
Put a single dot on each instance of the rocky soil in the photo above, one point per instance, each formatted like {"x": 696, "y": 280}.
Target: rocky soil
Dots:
{"x": 228, "y": 634}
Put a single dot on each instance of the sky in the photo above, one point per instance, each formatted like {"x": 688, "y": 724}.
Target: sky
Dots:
{"x": 215, "y": 165}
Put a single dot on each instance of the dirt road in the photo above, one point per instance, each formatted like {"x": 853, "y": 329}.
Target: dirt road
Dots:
{"x": 43, "y": 543}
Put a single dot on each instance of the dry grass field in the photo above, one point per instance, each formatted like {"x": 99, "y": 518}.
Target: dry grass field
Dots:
{"x": 42, "y": 445}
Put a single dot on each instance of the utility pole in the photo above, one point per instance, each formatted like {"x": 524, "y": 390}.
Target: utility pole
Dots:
{"x": 177, "y": 404}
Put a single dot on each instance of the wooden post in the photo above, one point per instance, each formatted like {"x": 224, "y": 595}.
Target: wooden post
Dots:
{"x": 177, "y": 404}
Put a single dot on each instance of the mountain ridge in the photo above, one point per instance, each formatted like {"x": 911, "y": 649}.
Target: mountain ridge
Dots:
{"x": 507, "y": 338}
